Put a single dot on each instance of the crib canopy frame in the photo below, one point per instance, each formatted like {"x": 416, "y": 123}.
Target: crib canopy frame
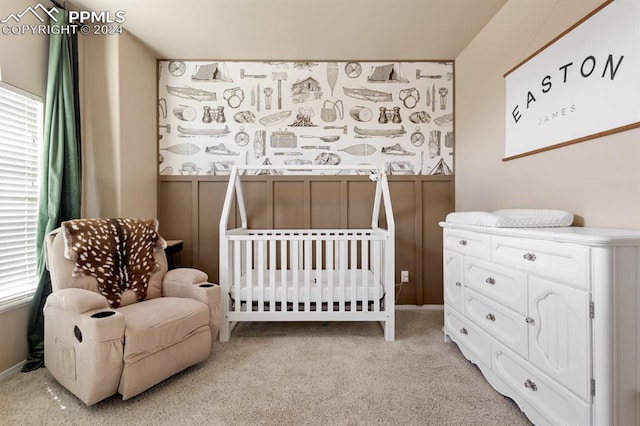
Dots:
{"x": 307, "y": 274}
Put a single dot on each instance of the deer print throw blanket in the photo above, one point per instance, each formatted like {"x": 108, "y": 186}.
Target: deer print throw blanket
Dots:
{"x": 118, "y": 253}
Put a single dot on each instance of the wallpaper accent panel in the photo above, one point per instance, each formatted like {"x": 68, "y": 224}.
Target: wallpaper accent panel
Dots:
{"x": 213, "y": 114}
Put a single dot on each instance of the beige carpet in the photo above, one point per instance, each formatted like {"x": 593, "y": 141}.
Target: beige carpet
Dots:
{"x": 293, "y": 374}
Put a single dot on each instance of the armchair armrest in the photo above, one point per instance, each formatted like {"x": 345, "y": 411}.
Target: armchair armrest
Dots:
{"x": 193, "y": 284}
{"x": 87, "y": 310}
{"x": 190, "y": 283}
{"x": 185, "y": 276}
{"x": 76, "y": 300}
{"x": 84, "y": 343}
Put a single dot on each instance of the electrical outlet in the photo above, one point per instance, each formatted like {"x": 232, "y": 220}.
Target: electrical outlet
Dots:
{"x": 404, "y": 276}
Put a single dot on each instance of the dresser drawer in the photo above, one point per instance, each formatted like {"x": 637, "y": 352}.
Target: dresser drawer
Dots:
{"x": 564, "y": 262}
{"x": 560, "y": 406}
{"x": 468, "y": 336}
{"x": 504, "y": 324}
{"x": 466, "y": 242}
{"x": 504, "y": 285}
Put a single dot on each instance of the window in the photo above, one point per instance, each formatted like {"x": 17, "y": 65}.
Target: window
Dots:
{"x": 20, "y": 137}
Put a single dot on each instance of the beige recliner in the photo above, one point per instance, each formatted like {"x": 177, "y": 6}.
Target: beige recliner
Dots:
{"x": 98, "y": 344}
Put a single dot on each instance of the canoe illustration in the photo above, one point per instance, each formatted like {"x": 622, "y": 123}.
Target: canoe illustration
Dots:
{"x": 275, "y": 118}
{"x": 191, "y": 93}
{"x": 387, "y": 133}
{"x": 188, "y": 131}
{"x": 183, "y": 149}
{"x": 367, "y": 94}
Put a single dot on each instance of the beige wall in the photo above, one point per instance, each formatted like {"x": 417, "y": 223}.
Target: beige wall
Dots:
{"x": 99, "y": 101}
{"x": 597, "y": 180}
{"x": 13, "y": 332}
{"x": 23, "y": 63}
{"x": 138, "y": 135}
{"x": 118, "y": 80}
{"x": 23, "y": 58}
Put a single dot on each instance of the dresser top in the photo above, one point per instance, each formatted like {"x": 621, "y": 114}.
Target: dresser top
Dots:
{"x": 571, "y": 234}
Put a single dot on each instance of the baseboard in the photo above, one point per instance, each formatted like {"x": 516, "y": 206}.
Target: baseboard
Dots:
{"x": 12, "y": 371}
{"x": 419, "y": 307}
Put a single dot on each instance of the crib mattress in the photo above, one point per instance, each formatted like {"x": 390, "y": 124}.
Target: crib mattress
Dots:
{"x": 514, "y": 218}
{"x": 314, "y": 280}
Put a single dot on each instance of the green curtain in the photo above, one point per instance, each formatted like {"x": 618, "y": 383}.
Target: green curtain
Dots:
{"x": 61, "y": 174}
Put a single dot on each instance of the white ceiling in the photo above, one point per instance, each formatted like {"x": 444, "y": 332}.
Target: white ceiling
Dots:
{"x": 302, "y": 29}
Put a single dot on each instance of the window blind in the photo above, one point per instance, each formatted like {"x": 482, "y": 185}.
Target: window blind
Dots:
{"x": 20, "y": 140}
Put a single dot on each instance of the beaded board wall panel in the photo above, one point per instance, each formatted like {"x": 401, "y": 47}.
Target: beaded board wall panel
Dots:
{"x": 214, "y": 114}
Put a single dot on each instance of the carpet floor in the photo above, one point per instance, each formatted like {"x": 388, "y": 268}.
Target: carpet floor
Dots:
{"x": 283, "y": 373}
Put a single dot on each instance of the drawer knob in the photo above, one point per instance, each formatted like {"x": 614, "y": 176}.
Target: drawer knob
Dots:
{"x": 531, "y": 385}
{"x": 530, "y": 257}
{"x": 490, "y": 317}
{"x": 490, "y": 281}
{"x": 458, "y": 284}
{"x": 464, "y": 331}
{"x": 463, "y": 242}
{"x": 530, "y": 320}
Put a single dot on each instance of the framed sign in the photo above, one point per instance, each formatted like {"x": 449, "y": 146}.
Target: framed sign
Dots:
{"x": 583, "y": 85}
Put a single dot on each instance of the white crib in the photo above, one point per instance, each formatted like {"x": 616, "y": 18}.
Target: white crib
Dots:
{"x": 307, "y": 274}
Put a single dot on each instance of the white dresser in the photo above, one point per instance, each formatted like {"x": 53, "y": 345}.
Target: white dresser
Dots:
{"x": 550, "y": 316}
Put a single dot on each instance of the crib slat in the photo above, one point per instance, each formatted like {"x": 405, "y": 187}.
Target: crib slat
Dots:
{"x": 330, "y": 289}
{"x": 353, "y": 272}
{"x": 318, "y": 278}
{"x": 261, "y": 268}
{"x": 336, "y": 258}
{"x": 364, "y": 262}
{"x": 300, "y": 253}
{"x": 307, "y": 275}
{"x": 295, "y": 269}
{"x": 342, "y": 267}
{"x": 237, "y": 260}
{"x": 248, "y": 275}
{"x": 376, "y": 275}
{"x": 283, "y": 273}
{"x": 272, "y": 275}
